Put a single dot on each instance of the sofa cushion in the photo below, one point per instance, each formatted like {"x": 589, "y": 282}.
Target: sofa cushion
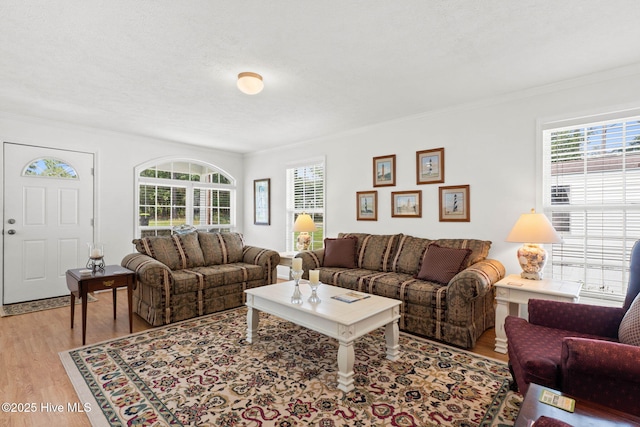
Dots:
{"x": 221, "y": 248}
{"x": 479, "y": 248}
{"x": 441, "y": 264}
{"x": 408, "y": 256}
{"x": 176, "y": 252}
{"x": 375, "y": 252}
{"x": 629, "y": 330}
{"x": 340, "y": 252}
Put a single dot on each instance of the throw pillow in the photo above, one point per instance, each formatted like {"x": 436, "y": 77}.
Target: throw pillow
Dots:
{"x": 340, "y": 252}
{"x": 629, "y": 330}
{"x": 441, "y": 264}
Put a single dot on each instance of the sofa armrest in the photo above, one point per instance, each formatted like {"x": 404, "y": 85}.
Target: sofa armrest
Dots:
{"x": 475, "y": 280}
{"x": 601, "y": 371}
{"x": 311, "y": 260}
{"x": 148, "y": 270}
{"x": 268, "y": 259}
{"x": 584, "y": 318}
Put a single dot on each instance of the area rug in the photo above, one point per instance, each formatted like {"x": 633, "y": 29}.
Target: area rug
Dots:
{"x": 202, "y": 372}
{"x": 39, "y": 305}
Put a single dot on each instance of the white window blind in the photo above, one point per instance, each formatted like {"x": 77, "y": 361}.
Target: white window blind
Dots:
{"x": 305, "y": 194}
{"x": 591, "y": 193}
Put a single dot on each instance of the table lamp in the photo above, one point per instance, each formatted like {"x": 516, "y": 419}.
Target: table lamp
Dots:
{"x": 532, "y": 229}
{"x": 304, "y": 224}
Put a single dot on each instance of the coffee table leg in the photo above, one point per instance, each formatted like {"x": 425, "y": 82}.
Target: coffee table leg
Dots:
{"x": 253, "y": 318}
{"x": 346, "y": 359}
{"x": 392, "y": 336}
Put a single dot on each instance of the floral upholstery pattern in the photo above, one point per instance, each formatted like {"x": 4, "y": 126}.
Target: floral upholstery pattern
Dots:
{"x": 177, "y": 280}
{"x": 457, "y": 312}
{"x": 574, "y": 348}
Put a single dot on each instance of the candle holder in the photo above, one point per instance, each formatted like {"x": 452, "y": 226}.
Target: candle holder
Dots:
{"x": 314, "y": 298}
{"x": 296, "y": 298}
{"x": 96, "y": 257}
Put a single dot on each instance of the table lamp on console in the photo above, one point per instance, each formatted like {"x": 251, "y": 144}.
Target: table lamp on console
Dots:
{"x": 533, "y": 229}
{"x": 304, "y": 224}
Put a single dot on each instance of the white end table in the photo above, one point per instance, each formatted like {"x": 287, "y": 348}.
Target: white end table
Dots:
{"x": 513, "y": 290}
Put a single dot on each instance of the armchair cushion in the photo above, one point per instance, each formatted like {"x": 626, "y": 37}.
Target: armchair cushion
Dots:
{"x": 581, "y": 318}
{"x": 629, "y": 331}
{"x": 441, "y": 264}
{"x": 340, "y": 252}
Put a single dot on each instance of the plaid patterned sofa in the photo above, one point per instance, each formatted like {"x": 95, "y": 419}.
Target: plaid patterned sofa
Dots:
{"x": 457, "y": 312}
{"x": 188, "y": 275}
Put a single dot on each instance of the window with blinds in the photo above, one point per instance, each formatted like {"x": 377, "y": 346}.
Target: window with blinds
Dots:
{"x": 591, "y": 193}
{"x": 177, "y": 193}
{"x": 305, "y": 194}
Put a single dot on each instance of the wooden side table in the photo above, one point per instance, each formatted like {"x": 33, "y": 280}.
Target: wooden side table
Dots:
{"x": 513, "y": 290}
{"x": 585, "y": 414}
{"x": 113, "y": 277}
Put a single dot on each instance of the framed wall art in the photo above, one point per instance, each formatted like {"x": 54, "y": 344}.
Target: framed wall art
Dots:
{"x": 367, "y": 205}
{"x": 430, "y": 166}
{"x": 384, "y": 171}
{"x": 262, "y": 201}
{"x": 406, "y": 204}
{"x": 454, "y": 203}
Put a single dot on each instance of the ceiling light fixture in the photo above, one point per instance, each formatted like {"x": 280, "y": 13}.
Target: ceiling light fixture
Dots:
{"x": 250, "y": 83}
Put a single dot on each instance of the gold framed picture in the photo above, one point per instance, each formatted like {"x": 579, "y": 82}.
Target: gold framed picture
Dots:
{"x": 384, "y": 171}
{"x": 367, "y": 205}
{"x": 406, "y": 204}
{"x": 454, "y": 203}
{"x": 430, "y": 166}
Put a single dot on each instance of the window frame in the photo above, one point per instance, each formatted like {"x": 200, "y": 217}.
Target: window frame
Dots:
{"x": 292, "y": 212}
{"x": 190, "y": 187}
{"x": 628, "y": 234}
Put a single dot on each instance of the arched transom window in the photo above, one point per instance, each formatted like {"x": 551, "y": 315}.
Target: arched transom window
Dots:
{"x": 51, "y": 168}
{"x": 184, "y": 192}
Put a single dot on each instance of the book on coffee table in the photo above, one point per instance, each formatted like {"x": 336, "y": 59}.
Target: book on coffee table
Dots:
{"x": 350, "y": 297}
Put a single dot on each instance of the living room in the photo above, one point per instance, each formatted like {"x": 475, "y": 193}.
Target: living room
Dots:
{"x": 492, "y": 141}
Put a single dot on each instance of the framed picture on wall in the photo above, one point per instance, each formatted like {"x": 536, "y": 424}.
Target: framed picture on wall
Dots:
{"x": 406, "y": 204}
{"x": 261, "y": 202}
{"x": 384, "y": 171}
{"x": 367, "y": 205}
{"x": 454, "y": 203}
{"x": 430, "y": 166}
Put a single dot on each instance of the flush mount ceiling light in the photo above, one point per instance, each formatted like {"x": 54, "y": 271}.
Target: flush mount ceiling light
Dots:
{"x": 250, "y": 83}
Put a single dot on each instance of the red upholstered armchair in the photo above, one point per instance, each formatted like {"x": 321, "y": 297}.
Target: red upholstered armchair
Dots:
{"x": 574, "y": 348}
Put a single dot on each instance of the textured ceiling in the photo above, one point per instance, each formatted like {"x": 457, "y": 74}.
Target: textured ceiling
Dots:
{"x": 167, "y": 69}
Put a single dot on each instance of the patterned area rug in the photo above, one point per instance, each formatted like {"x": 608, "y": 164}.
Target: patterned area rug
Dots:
{"x": 39, "y": 305}
{"x": 203, "y": 372}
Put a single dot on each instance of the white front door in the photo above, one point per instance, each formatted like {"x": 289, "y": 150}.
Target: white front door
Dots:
{"x": 48, "y": 219}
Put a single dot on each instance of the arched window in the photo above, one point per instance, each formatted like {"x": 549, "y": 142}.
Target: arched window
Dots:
{"x": 51, "y": 168}
{"x": 177, "y": 192}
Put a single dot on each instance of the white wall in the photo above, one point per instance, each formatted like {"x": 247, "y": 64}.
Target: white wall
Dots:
{"x": 491, "y": 146}
{"x": 116, "y": 155}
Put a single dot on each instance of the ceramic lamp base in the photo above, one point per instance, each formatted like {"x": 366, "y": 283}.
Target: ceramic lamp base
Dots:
{"x": 532, "y": 259}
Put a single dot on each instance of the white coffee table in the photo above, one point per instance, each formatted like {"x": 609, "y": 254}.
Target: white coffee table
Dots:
{"x": 336, "y": 319}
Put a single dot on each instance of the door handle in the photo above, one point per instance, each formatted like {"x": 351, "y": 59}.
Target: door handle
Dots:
{"x": 11, "y": 232}
{"x": 11, "y": 221}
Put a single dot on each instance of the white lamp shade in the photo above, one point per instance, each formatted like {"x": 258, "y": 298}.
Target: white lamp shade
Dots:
{"x": 533, "y": 228}
{"x": 304, "y": 223}
{"x": 250, "y": 83}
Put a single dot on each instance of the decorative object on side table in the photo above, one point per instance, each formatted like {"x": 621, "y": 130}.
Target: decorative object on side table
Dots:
{"x": 304, "y": 224}
{"x": 296, "y": 273}
{"x": 314, "y": 282}
{"x": 96, "y": 257}
{"x": 532, "y": 229}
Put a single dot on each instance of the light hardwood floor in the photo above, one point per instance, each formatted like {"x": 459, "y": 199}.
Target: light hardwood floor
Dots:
{"x": 31, "y": 370}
